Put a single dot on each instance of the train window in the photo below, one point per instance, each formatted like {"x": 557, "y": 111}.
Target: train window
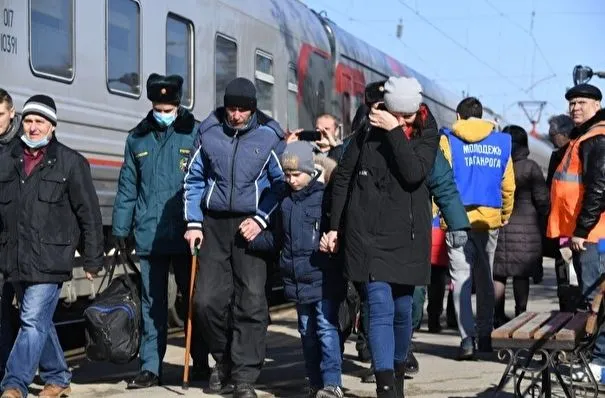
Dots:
{"x": 264, "y": 82}
{"x": 179, "y": 54}
{"x": 123, "y": 47}
{"x": 292, "y": 97}
{"x": 51, "y": 47}
{"x": 225, "y": 66}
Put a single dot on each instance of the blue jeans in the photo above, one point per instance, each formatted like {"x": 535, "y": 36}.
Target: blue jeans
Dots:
{"x": 318, "y": 327}
{"x": 37, "y": 344}
{"x": 390, "y": 329}
{"x": 7, "y": 327}
{"x": 589, "y": 266}
{"x": 154, "y": 305}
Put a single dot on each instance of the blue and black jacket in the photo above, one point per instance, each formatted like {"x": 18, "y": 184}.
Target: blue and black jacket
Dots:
{"x": 236, "y": 171}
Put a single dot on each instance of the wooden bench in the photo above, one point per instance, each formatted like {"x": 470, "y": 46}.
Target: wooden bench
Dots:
{"x": 538, "y": 344}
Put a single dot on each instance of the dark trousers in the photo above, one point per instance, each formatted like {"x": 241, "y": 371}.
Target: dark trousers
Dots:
{"x": 154, "y": 302}
{"x": 436, "y": 292}
{"x": 230, "y": 302}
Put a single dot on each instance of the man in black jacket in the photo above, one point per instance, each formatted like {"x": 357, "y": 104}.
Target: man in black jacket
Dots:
{"x": 577, "y": 213}
{"x": 48, "y": 207}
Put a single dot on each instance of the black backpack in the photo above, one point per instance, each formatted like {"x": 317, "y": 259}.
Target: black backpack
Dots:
{"x": 113, "y": 319}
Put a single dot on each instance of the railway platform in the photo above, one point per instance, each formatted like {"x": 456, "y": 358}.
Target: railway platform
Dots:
{"x": 283, "y": 375}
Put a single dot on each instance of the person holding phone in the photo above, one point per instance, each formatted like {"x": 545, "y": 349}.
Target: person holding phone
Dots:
{"x": 325, "y": 137}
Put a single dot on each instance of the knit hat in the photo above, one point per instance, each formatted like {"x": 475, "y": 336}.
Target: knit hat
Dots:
{"x": 241, "y": 93}
{"x": 402, "y": 94}
{"x": 298, "y": 156}
{"x": 41, "y": 105}
{"x": 164, "y": 89}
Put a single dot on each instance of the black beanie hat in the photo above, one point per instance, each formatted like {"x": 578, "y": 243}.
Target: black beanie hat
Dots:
{"x": 241, "y": 93}
{"x": 41, "y": 105}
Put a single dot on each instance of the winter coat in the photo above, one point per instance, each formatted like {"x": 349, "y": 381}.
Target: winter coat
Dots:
{"x": 482, "y": 217}
{"x": 592, "y": 155}
{"x": 309, "y": 275}
{"x": 150, "y": 188}
{"x": 381, "y": 205}
{"x": 235, "y": 171}
{"x": 519, "y": 250}
{"x": 45, "y": 216}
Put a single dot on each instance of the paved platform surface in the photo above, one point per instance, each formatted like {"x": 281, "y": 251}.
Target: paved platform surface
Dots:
{"x": 283, "y": 376}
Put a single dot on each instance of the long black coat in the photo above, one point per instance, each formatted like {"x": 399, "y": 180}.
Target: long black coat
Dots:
{"x": 381, "y": 205}
{"x": 519, "y": 249}
{"x": 44, "y": 216}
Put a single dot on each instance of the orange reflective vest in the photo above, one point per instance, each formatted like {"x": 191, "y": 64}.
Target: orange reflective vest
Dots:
{"x": 567, "y": 192}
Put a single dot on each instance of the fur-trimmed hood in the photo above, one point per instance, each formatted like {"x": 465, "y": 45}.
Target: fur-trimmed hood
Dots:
{"x": 326, "y": 166}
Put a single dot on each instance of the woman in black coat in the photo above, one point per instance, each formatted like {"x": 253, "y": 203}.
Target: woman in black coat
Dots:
{"x": 519, "y": 250}
{"x": 381, "y": 217}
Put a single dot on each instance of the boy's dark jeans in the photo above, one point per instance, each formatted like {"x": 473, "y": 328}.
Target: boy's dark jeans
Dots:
{"x": 318, "y": 327}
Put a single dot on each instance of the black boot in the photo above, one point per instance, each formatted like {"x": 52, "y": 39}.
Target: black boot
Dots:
{"x": 144, "y": 379}
{"x": 385, "y": 384}
{"x": 369, "y": 376}
{"x": 400, "y": 371}
{"x": 411, "y": 365}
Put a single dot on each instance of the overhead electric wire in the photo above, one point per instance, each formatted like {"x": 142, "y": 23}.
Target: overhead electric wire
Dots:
{"x": 529, "y": 33}
{"x": 466, "y": 49}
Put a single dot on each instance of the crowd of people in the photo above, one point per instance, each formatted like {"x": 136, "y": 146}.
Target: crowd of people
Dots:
{"x": 401, "y": 206}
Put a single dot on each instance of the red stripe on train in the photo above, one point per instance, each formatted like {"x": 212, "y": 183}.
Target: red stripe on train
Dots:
{"x": 104, "y": 162}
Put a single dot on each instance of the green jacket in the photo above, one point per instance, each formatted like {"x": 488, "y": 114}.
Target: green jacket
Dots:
{"x": 444, "y": 192}
{"x": 150, "y": 189}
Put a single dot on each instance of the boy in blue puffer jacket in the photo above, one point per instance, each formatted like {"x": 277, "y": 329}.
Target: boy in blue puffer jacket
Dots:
{"x": 311, "y": 278}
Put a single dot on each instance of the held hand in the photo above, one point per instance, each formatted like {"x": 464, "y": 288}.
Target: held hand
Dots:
{"x": 329, "y": 242}
{"x": 383, "y": 119}
{"x": 90, "y": 275}
{"x": 194, "y": 237}
{"x": 577, "y": 244}
{"x": 249, "y": 229}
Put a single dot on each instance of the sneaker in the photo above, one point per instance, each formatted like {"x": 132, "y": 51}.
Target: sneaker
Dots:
{"x": 369, "y": 376}
{"x": 467, "y": 349}
{"x": 411, "y": 364}
{"x": 330, "y": 392}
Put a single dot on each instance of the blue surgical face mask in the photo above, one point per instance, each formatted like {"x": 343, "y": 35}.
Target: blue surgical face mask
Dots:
{"x": 35, "y": 144}
{"x": 164, "y": 119}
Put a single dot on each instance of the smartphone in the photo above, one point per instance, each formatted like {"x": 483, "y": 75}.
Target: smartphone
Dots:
{"x": 309, "y": 135}
{"x": 374, "y": 92}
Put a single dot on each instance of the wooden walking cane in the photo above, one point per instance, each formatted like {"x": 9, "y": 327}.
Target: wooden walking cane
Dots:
{"x": 189, "y": 314}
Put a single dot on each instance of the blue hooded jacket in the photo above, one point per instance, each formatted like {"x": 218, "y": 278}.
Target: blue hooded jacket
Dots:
{"x": 235, "y": 171}
{"x": 309, "y": 275}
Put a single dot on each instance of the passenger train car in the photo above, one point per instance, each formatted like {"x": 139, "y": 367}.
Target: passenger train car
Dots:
{"x": 94, "y": 56}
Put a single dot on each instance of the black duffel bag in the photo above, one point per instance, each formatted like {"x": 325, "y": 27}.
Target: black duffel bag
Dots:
{"x": 114, "y": 317}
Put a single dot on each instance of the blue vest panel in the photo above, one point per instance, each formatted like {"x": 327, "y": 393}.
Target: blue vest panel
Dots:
{"x": 479, "y": 168}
